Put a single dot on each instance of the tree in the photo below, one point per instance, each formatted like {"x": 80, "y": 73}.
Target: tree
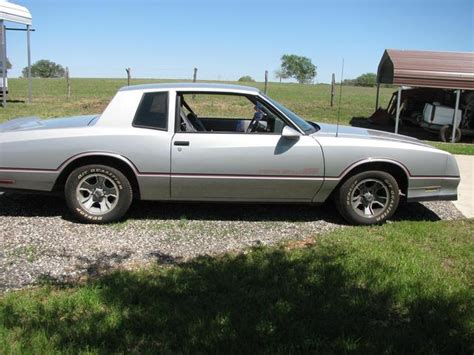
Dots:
{"x": 280, "y": 74}
{"x": 367, "y": 79}
{"x": 246, "y": 79}
{"x": 349, "y": 82}
{"x": 45, "y": 69}
{"x": 9, "y": 64}
{"x": 300, "y": 68}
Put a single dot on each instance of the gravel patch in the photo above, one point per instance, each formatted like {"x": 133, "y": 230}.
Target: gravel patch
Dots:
{"x": 39, "y": 241}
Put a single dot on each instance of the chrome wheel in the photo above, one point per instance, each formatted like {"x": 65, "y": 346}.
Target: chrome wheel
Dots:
{"x": 370, "y": 198}
{"x": 98, "y": 194}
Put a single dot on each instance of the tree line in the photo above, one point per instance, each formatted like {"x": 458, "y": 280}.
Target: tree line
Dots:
{"x": 304, "y": 71}
{"x": 367, "y": 80}
{"x": 292, "y": 67}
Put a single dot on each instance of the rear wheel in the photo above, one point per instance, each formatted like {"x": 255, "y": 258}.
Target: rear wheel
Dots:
{"x": 98, "y": 194}
{"x": 369, "y": 197}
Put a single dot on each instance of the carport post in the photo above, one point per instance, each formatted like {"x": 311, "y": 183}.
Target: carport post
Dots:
{"x": 29, "y": 63}
{"x": 397, "y": 118}
{"x": 377, "y": 97}
{"x": 455, "y": 118}
{"x": 4, "y": 65}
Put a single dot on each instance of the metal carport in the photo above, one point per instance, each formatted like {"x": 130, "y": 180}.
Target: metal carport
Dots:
{"x": 18, "y": 14}
{"x": 444, "y": 70}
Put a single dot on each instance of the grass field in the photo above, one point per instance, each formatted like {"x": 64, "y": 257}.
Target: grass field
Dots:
{"x": 405, "y": 287}
{"x": 92, "y": 95}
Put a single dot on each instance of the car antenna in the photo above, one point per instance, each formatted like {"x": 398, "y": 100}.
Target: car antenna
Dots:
{"x": 340, "y": 97}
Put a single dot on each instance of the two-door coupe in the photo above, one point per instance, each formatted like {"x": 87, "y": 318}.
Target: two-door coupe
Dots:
{"x": 209, "y": 142}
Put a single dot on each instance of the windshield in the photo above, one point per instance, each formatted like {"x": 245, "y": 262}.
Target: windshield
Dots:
{"x": 297, "y": 120}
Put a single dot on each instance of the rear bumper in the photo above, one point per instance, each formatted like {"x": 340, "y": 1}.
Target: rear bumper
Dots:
{"x": 433, "y": 188}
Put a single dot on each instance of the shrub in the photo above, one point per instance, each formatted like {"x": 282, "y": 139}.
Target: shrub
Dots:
{"x": 246, "y": 79}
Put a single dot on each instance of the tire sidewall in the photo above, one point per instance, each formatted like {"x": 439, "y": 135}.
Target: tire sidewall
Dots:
{"x": 123, "y": 203}
{"x": 446, "y": 132}
{"x": 346, "y": 190}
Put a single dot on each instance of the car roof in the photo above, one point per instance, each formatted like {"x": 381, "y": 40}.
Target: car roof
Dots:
{"x": 191, "y": 86}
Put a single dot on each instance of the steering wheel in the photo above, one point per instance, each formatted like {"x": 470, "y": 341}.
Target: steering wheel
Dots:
{"x": 252, "y": 126}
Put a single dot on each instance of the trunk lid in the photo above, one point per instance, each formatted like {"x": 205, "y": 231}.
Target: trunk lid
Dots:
{"x": 35, "y": 123}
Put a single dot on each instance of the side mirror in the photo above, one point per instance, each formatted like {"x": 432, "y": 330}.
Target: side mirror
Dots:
{"x": 290, "y": 133}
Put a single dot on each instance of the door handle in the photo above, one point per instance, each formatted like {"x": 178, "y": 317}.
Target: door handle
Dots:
{"x": 181, "y": 143}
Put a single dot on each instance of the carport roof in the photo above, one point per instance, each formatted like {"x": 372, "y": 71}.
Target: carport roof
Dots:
{"x": 450, "y": 70}
{"x": 14, "y": 13}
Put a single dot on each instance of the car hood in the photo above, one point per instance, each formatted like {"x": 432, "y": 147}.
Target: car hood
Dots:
{"x": 356, "y": 132}
{"x": 35, "y": 123}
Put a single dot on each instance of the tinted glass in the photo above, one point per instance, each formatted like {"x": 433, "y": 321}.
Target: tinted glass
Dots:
{"x": 153, "y": 111}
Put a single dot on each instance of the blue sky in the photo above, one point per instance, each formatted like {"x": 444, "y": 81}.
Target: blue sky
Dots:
{"x": 228, "y": 39}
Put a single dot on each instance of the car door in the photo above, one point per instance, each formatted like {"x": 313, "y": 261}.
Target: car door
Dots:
{"x": 245, "y": 167}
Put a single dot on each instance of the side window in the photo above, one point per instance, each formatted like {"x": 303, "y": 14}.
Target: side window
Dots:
{"x": 226, "y": 113}
{"x": 153, "y": 111}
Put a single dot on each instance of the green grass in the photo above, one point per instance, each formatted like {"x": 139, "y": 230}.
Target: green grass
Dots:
{"x": 405, "y": 287}
{"x": 91, "y": 96}
{"x": 455, "y": 148}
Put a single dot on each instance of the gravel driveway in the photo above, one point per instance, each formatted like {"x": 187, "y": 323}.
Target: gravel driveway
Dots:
{"x": 39, "y": 242}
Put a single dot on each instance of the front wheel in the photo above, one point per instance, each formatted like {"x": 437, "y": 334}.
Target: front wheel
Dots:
{"x": 366, "y": 198}
{"x": 98, "y": 194}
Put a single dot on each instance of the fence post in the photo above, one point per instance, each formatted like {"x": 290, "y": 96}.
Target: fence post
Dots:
{"x": 195, "y": 74}
{"x": 68, "y": 81}
{"x": 129, "y": 75}
{"x": 333, "y": 89}
{"x": 266, "y": 82}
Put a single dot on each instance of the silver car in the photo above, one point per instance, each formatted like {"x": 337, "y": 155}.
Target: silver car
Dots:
{"x": 208, "y": 142}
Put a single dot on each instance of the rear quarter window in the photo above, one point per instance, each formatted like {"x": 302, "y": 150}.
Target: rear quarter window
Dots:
{"x": 153, "y": 111}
